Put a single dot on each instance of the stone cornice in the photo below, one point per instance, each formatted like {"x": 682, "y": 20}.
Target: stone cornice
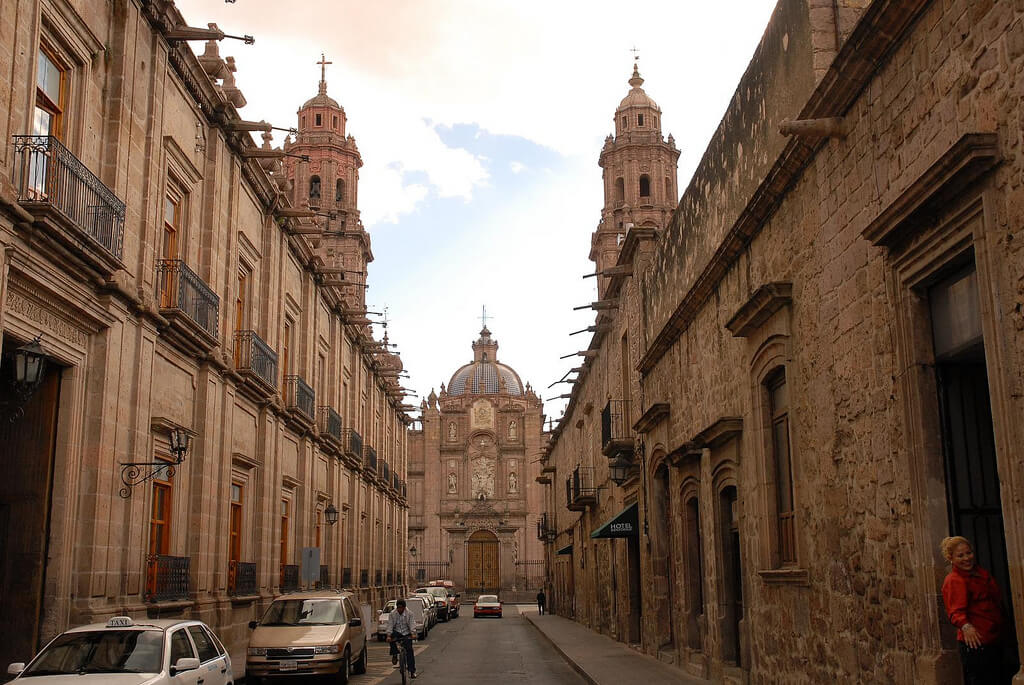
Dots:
{"x": 718, "y": 433}
{"x": 766, "y": 300}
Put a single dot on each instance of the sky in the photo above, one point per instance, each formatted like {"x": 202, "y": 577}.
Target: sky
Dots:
{"x": 480, "y": 123}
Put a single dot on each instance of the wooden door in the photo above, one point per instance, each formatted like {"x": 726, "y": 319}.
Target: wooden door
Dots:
{"x": 482, "y": 562}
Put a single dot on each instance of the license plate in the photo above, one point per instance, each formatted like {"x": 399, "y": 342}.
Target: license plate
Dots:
{"x": 289, "y": 665}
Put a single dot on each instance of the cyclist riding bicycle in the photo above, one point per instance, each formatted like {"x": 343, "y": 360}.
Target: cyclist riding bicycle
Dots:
{"x": 399, "y": 631}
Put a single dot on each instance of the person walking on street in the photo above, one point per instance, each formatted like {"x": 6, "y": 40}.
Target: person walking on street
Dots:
{"x": 541, "y": 600}
{"x": 972, "y": 601}
{"x": 399, "y": 632}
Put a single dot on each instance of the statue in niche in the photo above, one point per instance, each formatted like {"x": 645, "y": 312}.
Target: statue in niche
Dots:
{"x": 513, "y": 482}
{"x": 513, "y": 430}
{"x": 453, "y": 483}
{"x": 453, "y": 431}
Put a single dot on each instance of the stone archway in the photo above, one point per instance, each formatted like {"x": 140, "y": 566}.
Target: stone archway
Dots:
{"x": 482, "y": 562}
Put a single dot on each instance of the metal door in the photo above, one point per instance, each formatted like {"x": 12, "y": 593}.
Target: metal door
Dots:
{"x": 482, "y": 562}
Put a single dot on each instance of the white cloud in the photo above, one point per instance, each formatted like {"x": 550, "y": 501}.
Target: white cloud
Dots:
{"x": 517, "y": 167}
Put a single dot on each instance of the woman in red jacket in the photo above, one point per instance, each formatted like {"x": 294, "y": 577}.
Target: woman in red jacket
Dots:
{"x": 973, "y": 604}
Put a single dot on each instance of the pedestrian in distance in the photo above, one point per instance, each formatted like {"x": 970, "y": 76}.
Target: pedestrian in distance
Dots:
{"x": 972, "y": 600}
{"x": 541, "y": 601}
{"x": 399, "y": 632}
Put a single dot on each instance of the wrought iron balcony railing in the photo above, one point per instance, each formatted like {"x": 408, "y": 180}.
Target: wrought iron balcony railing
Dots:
{"x": 241, "y": 578}
{"x": 352, "y": 442}
{"x": 46, "y": 174}
{"x": 330, "y": 423}
{"x": 299, "y": 396}
{"x": 580, "y": 490}
{"x": 167, "y": 578}
{"x": 369, "y": 458}
{"x": 616, "y": 431}
{"x": 545, "y": 528}
{"x": 180, "y": 289}
{"x": 289, "y": 578}
{"x": 255, "y": 359}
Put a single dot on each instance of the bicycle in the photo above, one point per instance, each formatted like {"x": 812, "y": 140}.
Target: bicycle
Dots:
{"x": 402, "y": 666}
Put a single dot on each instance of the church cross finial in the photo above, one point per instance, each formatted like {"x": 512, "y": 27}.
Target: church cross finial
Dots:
{"x": 636, "y": 54}
{"x": 323, "y": 72}
{"x": 484, "y": 316}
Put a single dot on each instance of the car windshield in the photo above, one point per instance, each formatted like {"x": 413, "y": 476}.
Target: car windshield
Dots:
{"x": 389, "y": 607}
{"x": 487, "y": 599}
{"x": 305, "y": 612}
{"x": 105, "y": 651}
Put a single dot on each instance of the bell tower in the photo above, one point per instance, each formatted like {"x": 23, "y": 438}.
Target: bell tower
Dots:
{"x": 329, "y": 184}
{"x": 639, "y": 171}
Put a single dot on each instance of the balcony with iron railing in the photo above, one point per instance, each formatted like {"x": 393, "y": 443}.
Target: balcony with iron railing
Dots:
{"x": 186, "y": 300}
{"x": 167, "y": 578}
{"x": 69, "y": 201}
{"x": 241, "y": 578}
{"x": 545, "y": 529}
{"x": 580, "y": 490}
{"x": 289, "y": 578}
{"x": 616, "y": 430}
{"x": 369, "y": 459}
{"x": 255, "y": 361}
{"x": 330, "y": 424}
{"x": 352, "y": 443}
{"x": 299, "y": 398}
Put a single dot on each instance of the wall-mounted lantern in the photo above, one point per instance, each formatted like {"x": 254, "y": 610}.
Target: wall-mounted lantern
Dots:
{"x": 331, "y": 513}
{"x": 29, "y": 370}
{"x": 135, "y": 472}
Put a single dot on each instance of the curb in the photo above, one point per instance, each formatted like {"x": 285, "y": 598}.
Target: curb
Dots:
{"x": 569, "y": 660}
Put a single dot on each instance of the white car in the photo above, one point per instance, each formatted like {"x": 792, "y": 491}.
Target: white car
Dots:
{"x": 123, "y": 651}
{"x": 382, "y": 620}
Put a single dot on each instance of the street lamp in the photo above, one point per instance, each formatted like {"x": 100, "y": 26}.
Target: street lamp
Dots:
{"x": 29, "y": 362}
{"x": 331, "y": 513}
{"x": 619, "y": 470}
{"x": 180, "y": 440}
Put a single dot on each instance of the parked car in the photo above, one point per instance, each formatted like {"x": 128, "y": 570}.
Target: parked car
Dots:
{"x": 307, "y": 634}
{"x": 440, "y": 594}
{"x": 152, "y": 651}
{"x": 417, "y": 606}
{"x": 487, "y": 605}
{"x": 453, "y": 597}
{"x": 382, "y": 619}
{"x": 431, "y": 607}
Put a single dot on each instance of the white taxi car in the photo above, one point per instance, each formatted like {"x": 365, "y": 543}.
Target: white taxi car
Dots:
{"x": 124, "y": 651}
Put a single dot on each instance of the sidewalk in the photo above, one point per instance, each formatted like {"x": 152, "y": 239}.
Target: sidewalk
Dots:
{"x": 600, "y": 659}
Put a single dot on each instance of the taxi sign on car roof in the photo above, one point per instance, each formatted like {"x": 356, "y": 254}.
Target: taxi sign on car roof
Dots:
{"x": 120, "y": 622}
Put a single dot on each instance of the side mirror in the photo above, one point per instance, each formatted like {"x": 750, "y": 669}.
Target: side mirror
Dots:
{"x": 355, "y": 622}
{"x": 16, "y": 668}
{"x": 185, "y": 664}
{"x": 253, "y": 624}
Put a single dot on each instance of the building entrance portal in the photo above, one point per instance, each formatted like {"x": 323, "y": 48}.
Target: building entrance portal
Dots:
{"x": 482, "y": 567}
{"x": 26, "y": 452}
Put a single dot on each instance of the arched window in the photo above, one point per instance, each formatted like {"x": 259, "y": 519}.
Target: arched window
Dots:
{"x": 645, "y": 186}
{"x": 339, "y": 190}
{"x": 620, "y": 190}
{"x": 314, "y": 189}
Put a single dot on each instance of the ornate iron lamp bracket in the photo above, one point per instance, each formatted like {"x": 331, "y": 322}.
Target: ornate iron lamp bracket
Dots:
{"x": 136, "y": 472}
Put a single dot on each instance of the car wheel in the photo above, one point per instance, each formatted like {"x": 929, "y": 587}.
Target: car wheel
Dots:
{"x": 346, "y": 665}
{"x": 360, "y": 666}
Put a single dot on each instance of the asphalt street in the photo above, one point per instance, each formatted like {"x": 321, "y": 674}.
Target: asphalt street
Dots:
{"x": 470, "y": 651}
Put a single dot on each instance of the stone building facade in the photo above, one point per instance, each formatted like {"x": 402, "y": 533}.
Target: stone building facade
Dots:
{"x": 177, "y": 281}
{"x": 473, "y": 501}
{"x": 811, "y": 372}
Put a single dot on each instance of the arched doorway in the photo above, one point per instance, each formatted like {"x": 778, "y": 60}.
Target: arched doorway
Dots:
{"x": 482, "y": 562}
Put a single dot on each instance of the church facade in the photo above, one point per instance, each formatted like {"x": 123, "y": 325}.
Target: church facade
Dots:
{"x": 474, "y": 503}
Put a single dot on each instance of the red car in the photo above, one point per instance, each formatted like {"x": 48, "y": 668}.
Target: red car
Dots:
{"x": 487, "y": 605}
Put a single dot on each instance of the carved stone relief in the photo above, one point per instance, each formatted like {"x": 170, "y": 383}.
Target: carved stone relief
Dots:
{"x": 482, "y": 414}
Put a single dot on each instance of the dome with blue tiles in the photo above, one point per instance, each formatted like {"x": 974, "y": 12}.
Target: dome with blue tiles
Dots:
{"x": 485, "y": 375}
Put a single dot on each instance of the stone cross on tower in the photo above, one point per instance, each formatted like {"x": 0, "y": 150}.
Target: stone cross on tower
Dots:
{"x": 483, "y": 315}
{"x": 323, "y": 72}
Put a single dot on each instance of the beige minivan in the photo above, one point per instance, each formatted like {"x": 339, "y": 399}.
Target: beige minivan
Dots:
{"x": 318, "y": 633}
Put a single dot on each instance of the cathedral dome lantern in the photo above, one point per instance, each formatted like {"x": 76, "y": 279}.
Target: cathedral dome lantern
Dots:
{"x": 321, "y": 114}
{"x": 637, "y": 111}
{"x": 485, "y": 375}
